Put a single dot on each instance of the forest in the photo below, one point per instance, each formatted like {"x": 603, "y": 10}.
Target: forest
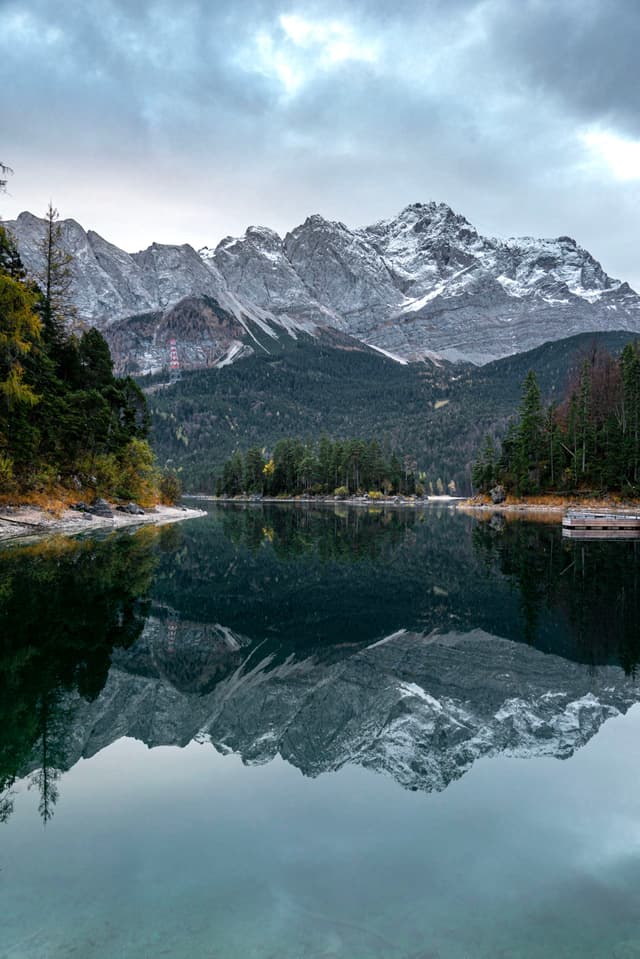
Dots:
{"x": 439, "y": 412}
{"x": 68, "y": 426}
{"x": 588, "y": 442}
{"x": 340, "y": 467}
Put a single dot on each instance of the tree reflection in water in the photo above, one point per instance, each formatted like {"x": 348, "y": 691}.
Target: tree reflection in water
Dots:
{"x": 64, "y": 605}
{"x": 282, "y": 583}
{"x": 591, "y": 588}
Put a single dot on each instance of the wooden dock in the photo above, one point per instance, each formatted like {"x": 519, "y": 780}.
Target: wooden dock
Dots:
{"x": 600, "y": 524}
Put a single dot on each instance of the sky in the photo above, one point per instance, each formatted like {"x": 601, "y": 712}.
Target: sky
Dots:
{"x": 188, "y": 121}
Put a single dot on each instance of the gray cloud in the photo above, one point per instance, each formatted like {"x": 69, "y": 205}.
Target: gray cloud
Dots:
{"x": 152, "y": 120}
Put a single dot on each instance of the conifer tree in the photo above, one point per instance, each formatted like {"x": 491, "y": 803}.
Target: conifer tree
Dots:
{"x": 530, "y": 436}
{"x": 584, "y": 423}
{"x": 254, "y": 471}
{"x": 57, "y": 309}
{"x": 19, "y": 330}
{"x": 483, "y": 474}
{"x": 552, "y": 432}
{"x": 325, "y": 463}
{"x": 630, "y": 363}
{"x": 10, "y": 262}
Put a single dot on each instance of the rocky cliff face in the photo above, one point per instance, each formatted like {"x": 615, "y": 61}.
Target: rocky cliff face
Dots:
{"x": 422, "y": 709}
{"x": 107, "y": 283}
{"x": 208, "y": 336}
{"x": 424, "y": 282}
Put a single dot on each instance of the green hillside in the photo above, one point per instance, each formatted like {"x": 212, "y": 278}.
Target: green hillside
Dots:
{"x": 439, "y": 414}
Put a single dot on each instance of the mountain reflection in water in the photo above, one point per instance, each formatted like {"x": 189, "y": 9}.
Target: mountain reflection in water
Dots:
{"x": 410, "y": 643}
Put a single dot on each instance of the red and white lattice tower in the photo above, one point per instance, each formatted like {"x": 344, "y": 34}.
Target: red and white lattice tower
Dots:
{"x": 174, "y": 362}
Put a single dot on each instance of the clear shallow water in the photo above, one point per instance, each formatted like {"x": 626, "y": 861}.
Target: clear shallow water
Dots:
{"x": 370, "y": 737}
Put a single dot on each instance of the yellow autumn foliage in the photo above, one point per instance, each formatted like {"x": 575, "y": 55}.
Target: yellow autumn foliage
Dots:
{"x": 19, "y": 330}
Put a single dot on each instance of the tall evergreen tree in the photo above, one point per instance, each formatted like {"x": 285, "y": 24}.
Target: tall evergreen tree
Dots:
{"x": 254, "y": 471}
{"x": 10, "y": 262}
{"x": 584, "y": 419}
{"x": 631, "y": 416}
{"x": 530, "y": 436}
{"x": 483, "y": 474}
{"x": 56, "y": 309}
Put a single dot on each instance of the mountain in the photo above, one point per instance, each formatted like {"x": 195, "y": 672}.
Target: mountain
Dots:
{"x": 421, "y": 285}
{"x": 438, "y": 412}
{"x": 412, "y": 643}
{"x": 141, "y": 300}
{"x": 420, "y": 708}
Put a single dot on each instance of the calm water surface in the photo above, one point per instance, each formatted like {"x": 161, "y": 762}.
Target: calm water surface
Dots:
{"x": 278, "y": 732}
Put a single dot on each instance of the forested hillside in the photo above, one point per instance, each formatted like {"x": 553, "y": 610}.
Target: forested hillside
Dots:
{"x": 588, "y": 442}
{"x": 68, "y": 426}
{"x": 438, "y": 414}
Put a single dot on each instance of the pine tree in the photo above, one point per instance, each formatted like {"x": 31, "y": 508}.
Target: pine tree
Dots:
{"x": 325, "y": 464}
{"x": 57, "y": 310}
{"x": 94, "y": 361}
{"x": 630, "y": 363}
{"x": 233, "y": 475}
{"x": 10, "y": 262}
{"x": 529, "y": 436}
{"x": 483, "y": 473}
{"x": 307, "y": 468}
{"x": 584, "y": 423}
{"x": 554, "y": 449}
{"x": 254, "y": 471}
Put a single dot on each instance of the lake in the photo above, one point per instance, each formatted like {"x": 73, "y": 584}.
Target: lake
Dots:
{"x": 311, "y": 733}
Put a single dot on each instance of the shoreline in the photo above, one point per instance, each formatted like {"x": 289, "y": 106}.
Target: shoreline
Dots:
{"x": 356, "y": 501}
{"x": 28, "y": 523}
{"x": 554, "y": 508}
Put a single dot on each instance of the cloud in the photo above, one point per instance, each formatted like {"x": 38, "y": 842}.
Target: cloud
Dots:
{"x": 296, "y": 49}
{"x": 150, "y": 120}
{"x": 618, "y": 154}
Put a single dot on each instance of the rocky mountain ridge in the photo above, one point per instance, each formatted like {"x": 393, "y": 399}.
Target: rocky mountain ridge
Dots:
{"x": 420, "y": 285}
{"x": 420, "y": 708}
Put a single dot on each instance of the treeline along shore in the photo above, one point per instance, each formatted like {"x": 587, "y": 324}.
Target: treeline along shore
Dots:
{"x": 70, "y": 430}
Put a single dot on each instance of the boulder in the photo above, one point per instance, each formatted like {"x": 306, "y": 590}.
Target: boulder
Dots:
{"x": 132, "y": 509}
{"x": 497, "y": 494}
{"x": 100, "y": 507}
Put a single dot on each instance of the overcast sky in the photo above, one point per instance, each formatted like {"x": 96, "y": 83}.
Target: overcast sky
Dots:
{"x": 188, "y": 120}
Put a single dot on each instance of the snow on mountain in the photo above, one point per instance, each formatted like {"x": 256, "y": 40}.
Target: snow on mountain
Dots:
{"x": 135, "y": 299}
{"x": 422, "y": 709}
{"x": 425, "y": 246}
{"x": 420, "y": 284}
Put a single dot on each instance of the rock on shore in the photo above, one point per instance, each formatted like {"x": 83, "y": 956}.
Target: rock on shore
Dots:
{"x": 33, "y": 523}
